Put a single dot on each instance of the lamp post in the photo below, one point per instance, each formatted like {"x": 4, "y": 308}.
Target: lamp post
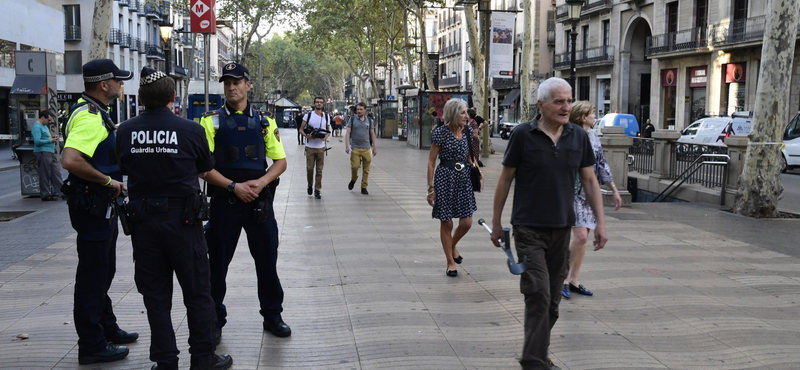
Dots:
{"x": 574, "y": 15}
{"x": 166, "y": 35}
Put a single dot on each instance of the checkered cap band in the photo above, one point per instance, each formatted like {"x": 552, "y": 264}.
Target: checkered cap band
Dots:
{"x": 152, "y": 78}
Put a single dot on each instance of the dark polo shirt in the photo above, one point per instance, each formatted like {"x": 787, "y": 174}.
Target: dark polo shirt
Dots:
{"x": 546, "y": 173}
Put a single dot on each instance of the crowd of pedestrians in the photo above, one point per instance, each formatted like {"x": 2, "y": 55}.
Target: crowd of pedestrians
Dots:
{"x": 555, "y": 160}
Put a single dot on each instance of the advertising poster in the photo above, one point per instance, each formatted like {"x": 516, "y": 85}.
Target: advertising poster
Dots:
{"x": 501, "y": 53}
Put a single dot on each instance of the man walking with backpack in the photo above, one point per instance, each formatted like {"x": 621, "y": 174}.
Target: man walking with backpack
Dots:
{"x": 362, "y": 133}
{"x": 316, "y": 138}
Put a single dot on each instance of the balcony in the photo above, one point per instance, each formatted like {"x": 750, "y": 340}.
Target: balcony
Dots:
{"x": 134, "y": 6}
{"x": 72, "y": 33}
{"x": 125, "y": 41}
{"x": 583, "y": 58}
{"x": 686, "y": 40}
{"x": 551, "y": 38}
{"x": 153, "y": 11}
{"x": 505, "y": 83}
{"x": 738, "y": 31}
{"x": 140, "y": 8}
{"x": 154, "y": 51}
{"x": 124, "y": 2}
{"x": 178, "y": 71}
{"x": 450, "y": 82}
{"x": 589, "y": 7}
{"x": 134, "y": 44}
{"x": 450, "y": 50}
{"x": 115, "y": 36}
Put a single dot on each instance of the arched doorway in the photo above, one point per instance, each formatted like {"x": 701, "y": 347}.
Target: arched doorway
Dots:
{"x": 635, "y": 89}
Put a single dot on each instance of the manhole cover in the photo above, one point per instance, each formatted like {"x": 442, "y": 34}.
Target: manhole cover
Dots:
{"x": 8, "y": 216}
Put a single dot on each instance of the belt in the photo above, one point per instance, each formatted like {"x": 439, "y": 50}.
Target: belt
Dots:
{"x": 456, "y": 165}
{"x": 156, "y": 205}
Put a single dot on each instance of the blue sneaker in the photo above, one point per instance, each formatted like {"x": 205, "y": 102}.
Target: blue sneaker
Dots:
{"x": 565, "y": 291}
{"x": 580, "y": 289}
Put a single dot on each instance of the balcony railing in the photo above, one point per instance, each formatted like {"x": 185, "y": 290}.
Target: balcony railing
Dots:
{"x": 115, "y": 36}
{"x": 154, "y": 51}
{"x": 450, "y": 50}
{"x": 72, "y": 33}
{"x": 140, "y": 8}
{"x": 153, "y": 11}
{"x": 134, "y": 43}
{"x": 738, "y": 31}
{"x": 589, "y": 7}
{"x": 134, "y": 6}
{"x": 690, "y": 39}
{"x": 505, "y": 83}
{"x": 125, "y": 40}
{"x": 551, "y": 38}
{"x": 594, "y": 56}
{"x": 124, "y": 2}
{"x": 450, "y": 82}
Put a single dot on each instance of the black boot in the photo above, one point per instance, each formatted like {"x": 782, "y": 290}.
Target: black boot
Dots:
{"x": 211, "y": 362}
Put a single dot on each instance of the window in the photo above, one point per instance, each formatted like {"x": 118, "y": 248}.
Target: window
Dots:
{"x": 73, "y": 61}
{"x": 739, "y": 9}
{"x": 672, "y": 17}
{"x": 72, "y": 15}
{"x": 606, "y": 32}
{"x": 701, "y": 13}
{"x": 583, "y": 88}
{"x": 568, "y": 41}
{"x": 585, "y": 31}
{"x": 7, "y": 53}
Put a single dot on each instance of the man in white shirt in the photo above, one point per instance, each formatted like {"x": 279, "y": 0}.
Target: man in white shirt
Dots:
{"x": 315, "y": 145}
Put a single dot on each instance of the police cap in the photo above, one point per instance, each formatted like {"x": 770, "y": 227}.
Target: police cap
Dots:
{"x": 104, "y": 69}
{"x": 236, "y": 71}
{"x": 150, "y": 75}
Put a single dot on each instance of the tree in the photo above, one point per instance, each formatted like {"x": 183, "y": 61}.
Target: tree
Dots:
{"x": 524, "y": 79}
{"x": 253, "y": 14}
{"x": 759, "y": 184}
{"x": 417, "y": 8}
{"x": 476, "y": 60}
{"x": 101, "y": 27}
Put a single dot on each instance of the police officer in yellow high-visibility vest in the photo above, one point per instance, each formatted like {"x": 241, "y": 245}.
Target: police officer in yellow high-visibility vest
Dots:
{"x": 240, "y": 197}
{"x": 94, "y": 181}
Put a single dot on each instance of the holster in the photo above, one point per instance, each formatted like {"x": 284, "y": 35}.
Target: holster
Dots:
{"x": 196, "y": 209}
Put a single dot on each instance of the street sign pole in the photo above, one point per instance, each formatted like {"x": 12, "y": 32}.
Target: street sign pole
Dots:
{"x": 203, "y": 20}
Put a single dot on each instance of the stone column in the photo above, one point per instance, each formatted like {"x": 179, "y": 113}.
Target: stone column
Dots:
{"x": 737, "y": 148}
{"x": 663, "y": 141}
{"x": 615, "y": 148}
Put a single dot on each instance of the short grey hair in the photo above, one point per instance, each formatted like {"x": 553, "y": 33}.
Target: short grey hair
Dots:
{"x": 451, "y": 109}
{"x": 546, "y": 88}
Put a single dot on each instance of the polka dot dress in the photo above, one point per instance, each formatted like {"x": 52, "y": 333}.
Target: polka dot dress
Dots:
{"x": 454, "y": 196}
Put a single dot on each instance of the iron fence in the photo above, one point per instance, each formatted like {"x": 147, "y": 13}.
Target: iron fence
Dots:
{"x": 72, "y": 33}
{"x": 682, "y": 157}
{"x": 641, "y": 155}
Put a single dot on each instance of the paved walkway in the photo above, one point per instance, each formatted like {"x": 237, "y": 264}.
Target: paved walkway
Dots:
{"x": 679, "y": 286}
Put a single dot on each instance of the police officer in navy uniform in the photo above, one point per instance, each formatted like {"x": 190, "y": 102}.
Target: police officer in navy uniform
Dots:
{"x": 240, "y": 200}
{"x": 163, "y": 155}
{"x": 94, "y": 181}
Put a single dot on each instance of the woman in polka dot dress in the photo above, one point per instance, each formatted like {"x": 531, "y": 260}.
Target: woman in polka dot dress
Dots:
{"x": 449, "y": 187}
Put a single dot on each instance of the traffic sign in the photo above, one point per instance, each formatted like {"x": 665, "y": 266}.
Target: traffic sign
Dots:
{"x": 202, "y": 16}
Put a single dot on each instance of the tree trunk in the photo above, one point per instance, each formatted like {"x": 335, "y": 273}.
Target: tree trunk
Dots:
{"x": 760, "y": 181}
{"x": 476, "y": 60}
{"x": 524, "y": 78}
{"x": 101, "y": 27}
{"x": 406, "y": 46}
{"x": 423, "y": 41}
{"x": 185, "y": 97}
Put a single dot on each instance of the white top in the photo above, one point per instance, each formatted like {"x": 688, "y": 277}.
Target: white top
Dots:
{"x": 316, "y": 121}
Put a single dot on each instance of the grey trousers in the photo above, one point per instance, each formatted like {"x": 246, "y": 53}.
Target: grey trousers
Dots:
{"x": 49, "y": 174}
{"x": 548, "y": 255}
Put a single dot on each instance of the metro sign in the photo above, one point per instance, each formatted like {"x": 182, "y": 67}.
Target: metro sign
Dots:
{"x": 203, "y": 19}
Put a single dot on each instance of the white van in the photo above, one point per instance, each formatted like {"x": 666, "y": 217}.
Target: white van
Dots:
{"x": 791, "y": 144}
{"x": 714, "y": 130}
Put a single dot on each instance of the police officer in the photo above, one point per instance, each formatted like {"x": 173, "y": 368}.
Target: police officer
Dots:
{"x": 162, "y": 155}
{"x": 94, "y": 180}
{"x": 239, "y": 200}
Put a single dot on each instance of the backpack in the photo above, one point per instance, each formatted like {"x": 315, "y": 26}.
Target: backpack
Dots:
{"x": 324, "y": 115}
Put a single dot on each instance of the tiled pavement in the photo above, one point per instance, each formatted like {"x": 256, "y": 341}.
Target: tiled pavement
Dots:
{"x": 679, "y": 286}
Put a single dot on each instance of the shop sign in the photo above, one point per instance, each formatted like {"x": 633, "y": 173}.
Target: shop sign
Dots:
{"x": 735, "y": 72}
{"x": 669, "y": 77}
{"x": 698, "y": 76}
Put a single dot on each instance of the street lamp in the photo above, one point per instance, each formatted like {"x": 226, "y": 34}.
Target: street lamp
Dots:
{"x": 166, "y": 35}
{"x": 574, "y": 15}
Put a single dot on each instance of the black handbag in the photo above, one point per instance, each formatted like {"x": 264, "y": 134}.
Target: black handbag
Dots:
{"x": 474, "y": 172}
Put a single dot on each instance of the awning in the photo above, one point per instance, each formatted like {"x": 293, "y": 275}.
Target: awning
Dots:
{"x": 284, "y": 102}
{"x": 24, "y": 85}
{"x": 511, "y": 99}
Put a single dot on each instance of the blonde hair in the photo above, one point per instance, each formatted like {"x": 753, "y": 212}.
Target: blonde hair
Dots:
{"x": 452, "y": 108}
{"x": 580, "y": 109}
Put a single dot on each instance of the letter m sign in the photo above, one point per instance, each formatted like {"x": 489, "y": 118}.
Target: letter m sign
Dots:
{"x": 202, "y": 16}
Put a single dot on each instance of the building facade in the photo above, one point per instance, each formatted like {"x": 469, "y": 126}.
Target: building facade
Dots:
{"x": 668, "y": 61}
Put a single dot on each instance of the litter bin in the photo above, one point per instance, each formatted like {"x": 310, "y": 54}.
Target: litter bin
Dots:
{"x": 28, "y": 173}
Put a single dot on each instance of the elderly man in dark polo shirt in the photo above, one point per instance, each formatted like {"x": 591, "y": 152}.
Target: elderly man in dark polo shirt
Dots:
{"x": 544, "y": 156}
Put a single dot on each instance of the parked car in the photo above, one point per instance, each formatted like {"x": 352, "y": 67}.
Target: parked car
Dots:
{"x": 714, "y": 130}
{"x": 505, "y": 129}
{"x": 626, "y": 121}
{"x": 791, "y": 144}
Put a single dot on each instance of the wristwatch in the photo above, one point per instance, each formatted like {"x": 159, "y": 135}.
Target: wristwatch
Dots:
{"x": 232, "y": 187}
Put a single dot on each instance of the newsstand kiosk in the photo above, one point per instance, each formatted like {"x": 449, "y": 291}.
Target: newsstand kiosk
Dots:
{"x": 34, "y": 90}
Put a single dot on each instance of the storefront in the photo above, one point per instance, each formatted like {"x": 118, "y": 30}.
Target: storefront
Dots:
{"x": 698, "y": 79}
{"x": 669, "y": 86}
{"x": 735, "y": 91}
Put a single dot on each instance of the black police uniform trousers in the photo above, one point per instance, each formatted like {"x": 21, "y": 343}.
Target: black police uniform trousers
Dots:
{"x": 229, "y": 215}
{"x": 97, "y": 264}
{"x": 163, "y": 244}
